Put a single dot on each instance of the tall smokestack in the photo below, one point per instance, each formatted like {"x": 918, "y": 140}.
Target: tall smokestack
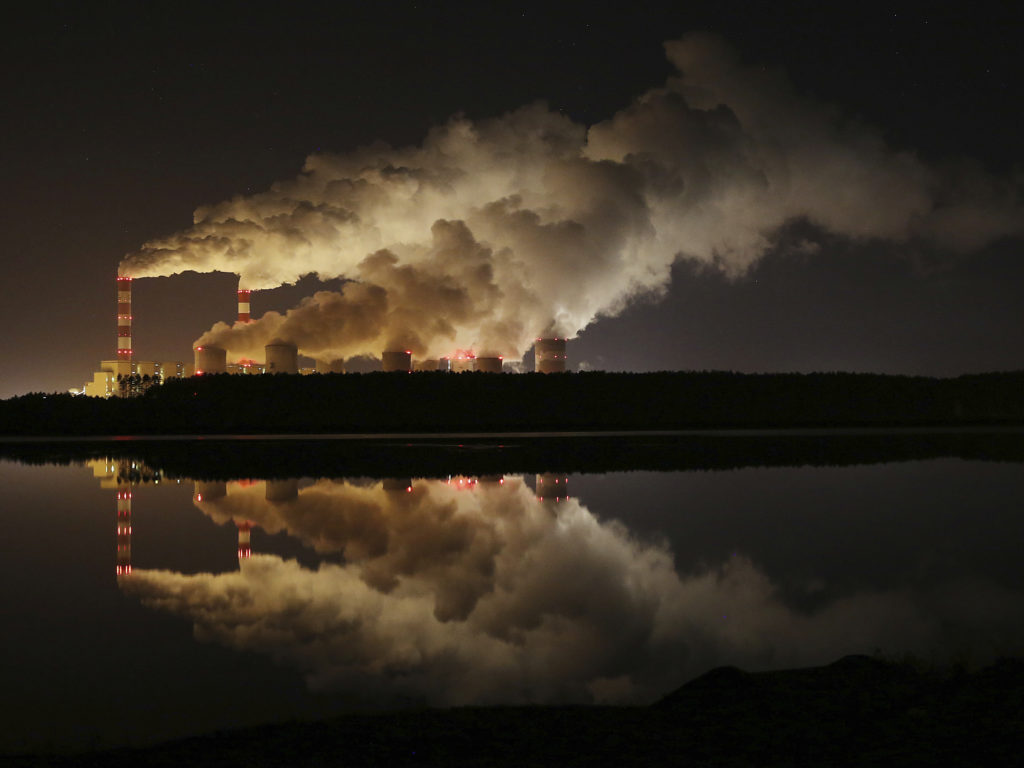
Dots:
{"x": 396, "y": 361}
{"x": 549, "y": 355}
{"x": 243, "y": 305}
{"x": 124, "y": 319}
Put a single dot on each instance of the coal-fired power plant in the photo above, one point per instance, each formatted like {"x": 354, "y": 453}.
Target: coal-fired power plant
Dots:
{"x": 210, "y": 359}
{"x": 549, "y": 355}
{"x": 124, "y": 319}
{"x": 392, "y": 360}
{"x": 281, "y": 357}
{"x": 126, "y": 377}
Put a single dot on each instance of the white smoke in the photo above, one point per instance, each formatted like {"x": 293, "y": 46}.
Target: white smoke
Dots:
{"x": 494, "y": 231}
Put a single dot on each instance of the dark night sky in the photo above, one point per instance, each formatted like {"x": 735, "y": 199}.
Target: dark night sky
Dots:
{"x": 118, "y": 124}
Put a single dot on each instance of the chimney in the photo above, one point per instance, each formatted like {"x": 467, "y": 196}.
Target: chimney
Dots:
{"x": 124, "y": 320}
{"x": 243, "y": 305}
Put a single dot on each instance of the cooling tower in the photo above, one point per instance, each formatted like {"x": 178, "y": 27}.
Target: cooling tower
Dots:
{"x": 282, "y": 358}
{"x": 210, "y": 359}
{"x": 460, "y": 363}
{"x": 243, "y": 305}
{"x": 330, "y": 366}
{"x": 487, "y": 364}
{"x": 396, "y": 361}
{"x": 124, "y": 319}
{"x": 549, "y": 355}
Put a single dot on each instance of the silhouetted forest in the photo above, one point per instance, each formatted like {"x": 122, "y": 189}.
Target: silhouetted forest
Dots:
{"x": 478, "y": 402}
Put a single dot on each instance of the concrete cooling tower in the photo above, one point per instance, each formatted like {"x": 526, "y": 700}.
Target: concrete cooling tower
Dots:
{"x": 487, "y": 364}
{"x": 549, "y": 355}
{"x": 210, "y": 359}
{"x": 330, "y": 366}
{"x": 392, "y": 360}
{"x": 282, "y": 357}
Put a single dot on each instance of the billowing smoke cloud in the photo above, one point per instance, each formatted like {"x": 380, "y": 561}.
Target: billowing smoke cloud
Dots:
{"x": 494, "y": 596}
{"x": 495, "y": 231}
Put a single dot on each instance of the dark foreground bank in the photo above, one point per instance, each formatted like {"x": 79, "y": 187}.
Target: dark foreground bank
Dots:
{"x": 857, "y": 711}
{"x": 436, "y": 402}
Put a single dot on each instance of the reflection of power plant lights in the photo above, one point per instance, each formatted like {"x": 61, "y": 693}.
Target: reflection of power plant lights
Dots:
{"x": 548, "y": 488}
{"x": 123, "y": 532}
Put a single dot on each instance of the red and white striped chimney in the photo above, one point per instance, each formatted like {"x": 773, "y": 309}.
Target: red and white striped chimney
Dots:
{"x": 124, "y": 319}
{"x": 243, "y": 306}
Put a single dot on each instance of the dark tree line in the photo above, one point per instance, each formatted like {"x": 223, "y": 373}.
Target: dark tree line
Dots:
{"x": 475, "y": 402}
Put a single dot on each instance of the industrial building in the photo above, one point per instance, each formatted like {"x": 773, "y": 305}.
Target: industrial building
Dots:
{"x": 125, "y": 376}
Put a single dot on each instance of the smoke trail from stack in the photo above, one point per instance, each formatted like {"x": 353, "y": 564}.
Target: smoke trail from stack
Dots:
{"x": 494, "y": 232}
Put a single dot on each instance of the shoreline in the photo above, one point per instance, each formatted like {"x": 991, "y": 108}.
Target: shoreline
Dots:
{"x": 497, "y": 404}
{"x": 857, "y": 710}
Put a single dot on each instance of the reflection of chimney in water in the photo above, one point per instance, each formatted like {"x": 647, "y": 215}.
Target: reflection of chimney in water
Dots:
{"x": 124, "y": 531}
{"x": 552, "y": 487}
{"x": 244, "y": 536}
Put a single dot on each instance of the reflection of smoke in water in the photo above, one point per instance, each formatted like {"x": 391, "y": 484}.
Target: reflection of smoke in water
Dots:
{"x": 481, "y": 592}
{"x": 492, "y": 232}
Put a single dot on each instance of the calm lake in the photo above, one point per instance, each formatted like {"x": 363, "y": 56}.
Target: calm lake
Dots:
{"x": 141, "y": 604}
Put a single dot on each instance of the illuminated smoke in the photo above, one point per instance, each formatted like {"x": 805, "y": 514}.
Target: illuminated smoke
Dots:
{"x": 495, "y": 231}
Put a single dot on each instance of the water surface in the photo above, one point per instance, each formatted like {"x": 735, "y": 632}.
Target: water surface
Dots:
{"x": 141, "y": 606}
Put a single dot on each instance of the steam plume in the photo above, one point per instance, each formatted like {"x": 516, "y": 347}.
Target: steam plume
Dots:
{"x": 495, "y": 231}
